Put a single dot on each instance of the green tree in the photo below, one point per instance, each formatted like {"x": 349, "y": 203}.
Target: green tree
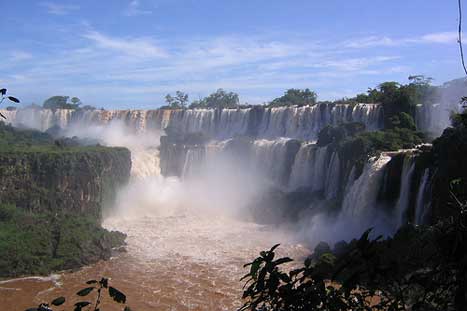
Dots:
{"x": 178, "y": 101}
{"x": 218, "y": 99}
{"x": 295, "y": 97}
{"x": 62, "y": 102}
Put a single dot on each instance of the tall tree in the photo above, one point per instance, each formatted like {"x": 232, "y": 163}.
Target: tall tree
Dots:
{"x": 180, "y": 100}
{"x": 295, "y": 97}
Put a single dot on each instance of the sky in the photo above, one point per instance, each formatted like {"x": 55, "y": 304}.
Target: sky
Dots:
{"x": 125, "y": 54}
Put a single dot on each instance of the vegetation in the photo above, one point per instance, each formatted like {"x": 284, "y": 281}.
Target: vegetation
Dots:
{"x": 3, "y": 96}
{"x": 62, "y": 102}
{"x": 13, "y": 139}
{"x": 419, "y": 269}
{"x": 218, "y": 99}
{"x": 45, "y": 226}
{"x": 295, "y": 97}
{"x": 93, "y": 286}
{"x": 179, "y": 101}
{"x": 38, "y": 242}
{"x": 65, "y": 102}
{"x": 399, "y": 101}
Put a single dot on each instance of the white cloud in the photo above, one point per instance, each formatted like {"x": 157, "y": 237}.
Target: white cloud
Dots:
{"x": 134, "y": 9}
{"x": 143, "y": 69}
{"x": 440, "y": 37}
{"x": 135, "y": 47}
{"x": 381, "y": 41}
{"x": 354, "y": 64}
{"x": 59, "y": 9}
{"x": 371, "y": 41}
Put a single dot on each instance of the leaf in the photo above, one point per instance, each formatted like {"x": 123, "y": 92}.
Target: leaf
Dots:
{"x": 254, "y": 268}
{"x": 274, "y": 247}
{"x": 3, "y": 91}
{"x": 117, "y": 295}
{"x": 13, "y": 99}
{"x": 58, "y": 301}
{"x": 281, "y": 261}
{"x": 85, "y": 291}
{"x": 80, "y": 305}
{"x": 91, "y": 282}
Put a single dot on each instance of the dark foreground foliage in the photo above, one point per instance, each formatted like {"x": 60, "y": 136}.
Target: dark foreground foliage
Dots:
{"x": 420, "y": 268}
{"x": 98, "y": 288}
{"x": 3, "y": 96}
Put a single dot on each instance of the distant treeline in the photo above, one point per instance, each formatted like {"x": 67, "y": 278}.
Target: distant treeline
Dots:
{"x": 419, "y": 90}
{"x": 391, "y": 94}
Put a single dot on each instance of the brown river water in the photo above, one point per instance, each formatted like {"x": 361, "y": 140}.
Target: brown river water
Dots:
{"x": 182, "y": 261}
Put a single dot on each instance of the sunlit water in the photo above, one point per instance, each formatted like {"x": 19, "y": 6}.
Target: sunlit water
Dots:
{"x": 182, "y": 261}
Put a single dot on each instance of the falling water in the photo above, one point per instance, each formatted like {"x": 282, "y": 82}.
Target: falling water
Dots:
{"x": 422, "y": 202}
{"x": 269, "y": 123}
{"x": 302, "y": 169}
{"x": 361, "y": 197}
{"x": 333, "y": 177}
{"x": 405, "y": 189}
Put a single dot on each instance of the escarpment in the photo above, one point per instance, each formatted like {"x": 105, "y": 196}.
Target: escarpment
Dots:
{"x": 80, "y": 180}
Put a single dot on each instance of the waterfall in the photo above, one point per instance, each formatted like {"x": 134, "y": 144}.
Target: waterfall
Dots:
{"x": 404, "y": 192}
{"x": 333, "y": 177}
{"x": 270, "y": 159}
{"x": 263, "y": 123}
{"x": 319, "y": 169}
{"x": 434, "y": 118}
{"x": 362, "y": 195}
{"x": 422, "y": 202}
{"x": 194, "y": 161}
{"x": 144, "y": 162}
{"x": 350, "y": 179}
{"x": 302, "y": 169}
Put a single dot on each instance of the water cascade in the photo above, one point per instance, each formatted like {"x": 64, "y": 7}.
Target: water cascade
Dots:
{"x": 422, "y": 204}
{"x": 268, "y": 123}
{"x": 361, "y": 197}
{"x": 405, "y": 189}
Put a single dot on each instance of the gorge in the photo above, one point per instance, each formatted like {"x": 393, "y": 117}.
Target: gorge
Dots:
{"x": 209, "y": 188}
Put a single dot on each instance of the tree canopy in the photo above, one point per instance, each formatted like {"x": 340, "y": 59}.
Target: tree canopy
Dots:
{"x": 62, "y": 102}
{"x": 218, "y": 99}
{"x": 178, "y": 101}
{"x": 295, "y": 97}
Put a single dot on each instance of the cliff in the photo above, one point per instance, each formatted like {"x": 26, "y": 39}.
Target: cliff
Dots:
{"x": 78, "y": 179}
{"x": 52, "y": 194}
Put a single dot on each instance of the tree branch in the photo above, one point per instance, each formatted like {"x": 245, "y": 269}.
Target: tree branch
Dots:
{"x": 459, "y": 40}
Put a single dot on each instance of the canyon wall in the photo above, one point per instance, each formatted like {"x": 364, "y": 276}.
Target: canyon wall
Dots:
{"x": 74, "y": 180}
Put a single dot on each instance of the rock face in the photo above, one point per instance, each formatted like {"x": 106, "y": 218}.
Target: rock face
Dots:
{"x": 73, "y": 180}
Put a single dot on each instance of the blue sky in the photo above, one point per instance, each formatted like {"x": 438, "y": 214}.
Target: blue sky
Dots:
{"x": 130, "y": 53}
